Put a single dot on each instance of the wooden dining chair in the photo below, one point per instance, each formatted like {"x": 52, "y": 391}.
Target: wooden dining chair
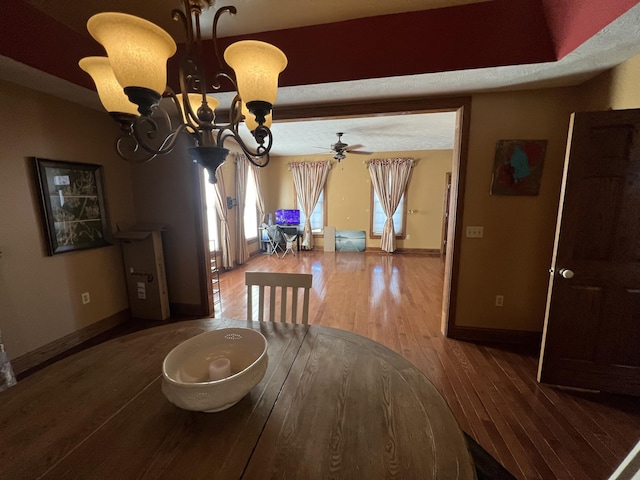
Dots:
{"x": 292, "y": 282}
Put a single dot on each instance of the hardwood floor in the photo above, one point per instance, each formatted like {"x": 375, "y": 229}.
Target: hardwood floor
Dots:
{"x": 535, "y": 431}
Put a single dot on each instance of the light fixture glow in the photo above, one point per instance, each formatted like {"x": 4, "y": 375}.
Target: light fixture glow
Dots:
{"x": 137, "y": 53}
{"x": 137, "y": 49}
{"x": 110, "y": 92}
{"x": 257, "y": 66}
{"x": 195, "y": 102}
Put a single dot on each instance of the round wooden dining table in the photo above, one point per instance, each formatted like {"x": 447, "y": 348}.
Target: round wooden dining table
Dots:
{"x": 332, "y": 404}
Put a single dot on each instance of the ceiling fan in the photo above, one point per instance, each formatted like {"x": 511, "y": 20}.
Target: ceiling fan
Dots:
{"x": 340, "y": 149}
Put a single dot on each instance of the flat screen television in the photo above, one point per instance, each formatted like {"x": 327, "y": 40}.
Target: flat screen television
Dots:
{"x": 287, "y": 217}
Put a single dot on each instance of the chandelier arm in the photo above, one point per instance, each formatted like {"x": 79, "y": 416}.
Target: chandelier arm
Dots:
{"x": 235, "y": 112}
{"x": 194, "y": 129}
{"x": 260, "y": 152}
{"x": 261, "y": 133}
{"x": 235, "y": 117}
{"x": 191, "y": 77}
{"x": 181, "y": 15}
{"x": 222, "y": 64}
{"x": 167, "y": 144}
{"x": 182, "y": 111}
{"x": 197, "y": 41}
{"x": 185, "y": 110}
{"x": 192, "y": 80}
{"x": 216, "y": 83}
{"x": 261, "y": 164}
{"x": 129, "y": 152}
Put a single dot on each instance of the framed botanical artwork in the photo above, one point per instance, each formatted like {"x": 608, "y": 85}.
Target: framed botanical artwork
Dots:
{"x": 73, "y": 205}
{"x": 517, "y": 167}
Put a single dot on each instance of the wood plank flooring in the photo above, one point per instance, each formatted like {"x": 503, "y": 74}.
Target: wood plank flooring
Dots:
{"x": 535, "y": 431}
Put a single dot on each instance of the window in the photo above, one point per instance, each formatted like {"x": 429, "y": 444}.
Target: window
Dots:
{"x": 250, "y": 209}
{"x": 317, "y": 217}
{"x": 378, "y": 216}
{"x": 212, "y": 213}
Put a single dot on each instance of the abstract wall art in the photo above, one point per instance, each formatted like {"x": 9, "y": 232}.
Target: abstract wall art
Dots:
{"x": 517, "y": 167}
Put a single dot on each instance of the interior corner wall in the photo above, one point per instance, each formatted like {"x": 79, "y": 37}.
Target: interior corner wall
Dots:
{"x": 40, "y": 295}
{"x": 166, "y": 192}
{"x": 615, "y": 89}
{"x": 513, "y": 257}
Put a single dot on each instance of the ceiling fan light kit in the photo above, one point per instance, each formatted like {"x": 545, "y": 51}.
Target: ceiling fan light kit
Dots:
{"x": 132, "y": 80}
{"x": 340, "y": 149}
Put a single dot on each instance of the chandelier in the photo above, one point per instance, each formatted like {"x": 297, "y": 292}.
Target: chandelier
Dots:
{"x": 132, "y": 80}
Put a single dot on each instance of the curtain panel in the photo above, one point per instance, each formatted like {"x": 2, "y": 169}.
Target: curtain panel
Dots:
{"x": 255, "y": 172}
{"x": 7, "y": 377}
{"x": 309, "y": 179}
{"x": 221, "y": 208}
{"x": 389, "y": 178}
{"x": 242, "y": 170}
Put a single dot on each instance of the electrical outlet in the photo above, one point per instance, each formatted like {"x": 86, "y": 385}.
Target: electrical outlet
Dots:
{"x": 499, "y": 300}
{"x": 475, "y": 232}
{"x": 85, "y": 298}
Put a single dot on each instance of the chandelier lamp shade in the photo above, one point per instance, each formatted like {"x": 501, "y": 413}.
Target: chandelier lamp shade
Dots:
{"x": 131, "y": 82}
{"x": 110, "y": 92}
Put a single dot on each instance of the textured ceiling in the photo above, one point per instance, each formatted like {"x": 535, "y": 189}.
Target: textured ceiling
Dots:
{"x": 428, "y": 131}
{"x": 375, "y": 51}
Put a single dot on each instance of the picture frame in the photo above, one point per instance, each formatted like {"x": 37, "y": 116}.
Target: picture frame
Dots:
{"x": 517, "y": 167}
{"x": 73, "y": 205}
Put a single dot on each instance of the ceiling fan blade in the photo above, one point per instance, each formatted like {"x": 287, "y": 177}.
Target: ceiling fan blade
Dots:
{"x": 353, "y": 147}
{"x": 359, "y": 152}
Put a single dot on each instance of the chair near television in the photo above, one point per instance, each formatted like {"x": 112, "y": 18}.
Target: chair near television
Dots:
{"x": 272, "y": 240}
{"x": 289, "y": 222}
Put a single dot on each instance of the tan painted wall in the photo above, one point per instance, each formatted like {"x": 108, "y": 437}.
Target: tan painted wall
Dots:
{"x": 615, "y": 89}
{"x": 165, "y": 192}
{"x": 348, "y": 193}
{"x": 40, "y": 295}
{"x": 514, "y": 256}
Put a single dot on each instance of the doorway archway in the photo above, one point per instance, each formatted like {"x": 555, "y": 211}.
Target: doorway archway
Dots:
{"x": 462, "y": 107}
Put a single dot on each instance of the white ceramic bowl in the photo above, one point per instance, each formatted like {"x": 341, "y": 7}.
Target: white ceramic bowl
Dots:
{"x": 185, "y": 370}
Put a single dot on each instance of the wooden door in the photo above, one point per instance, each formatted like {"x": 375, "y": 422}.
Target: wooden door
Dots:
{"x": 447, "y": 208}
{"x": 591, "y": 335}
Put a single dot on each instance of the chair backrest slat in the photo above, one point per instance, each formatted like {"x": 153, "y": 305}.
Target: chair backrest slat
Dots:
{"x": 249, "y": 302}
{"x": 272, "y": 302}
{"x": 294, "y": 305}
{"x": 285, "y": 282}
{"x": 261, "y": 302}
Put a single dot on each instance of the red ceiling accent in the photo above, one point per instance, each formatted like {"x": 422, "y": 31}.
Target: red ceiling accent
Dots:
{"x": 37, "y": 40}
{"x": 573, "y": 22}
{"x": 488, "y": 34}
{"x": 496, "y": 33}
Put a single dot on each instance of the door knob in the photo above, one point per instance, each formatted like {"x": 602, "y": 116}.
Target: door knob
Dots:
{"x": 566, "y": 273}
